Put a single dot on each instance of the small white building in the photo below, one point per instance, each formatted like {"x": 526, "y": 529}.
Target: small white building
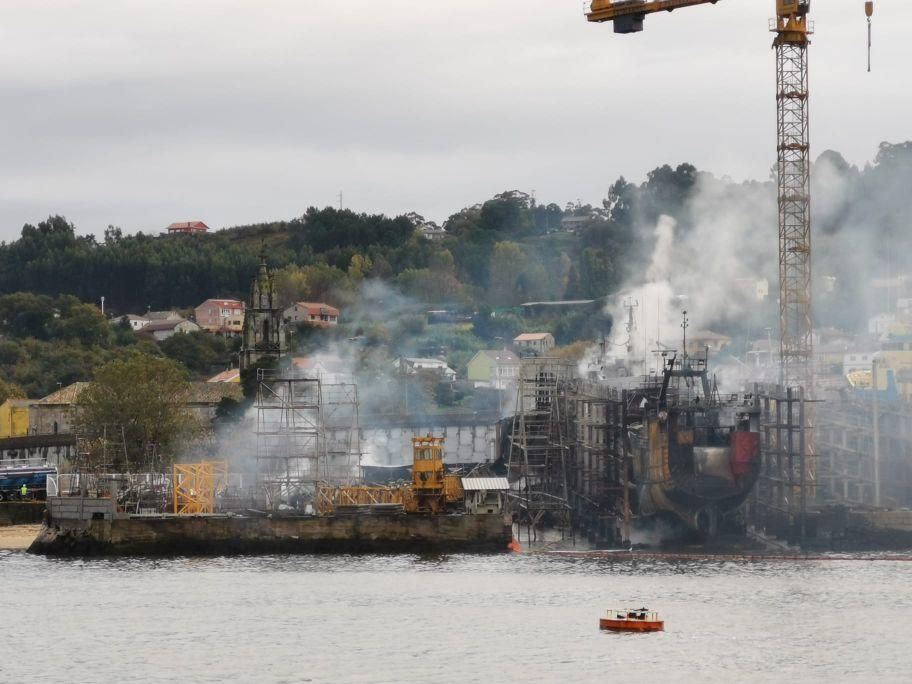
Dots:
{"x": 857, "y": 361}
{"x": 431, "y": 231}
{"x": 162, "y": 330}
{"x": 136, "y": 322}
{"x": 411, "y": 366}
{"x": 882, "y": 324}
{"x": 497, "y": 368}
{"x": 485, "y": 494}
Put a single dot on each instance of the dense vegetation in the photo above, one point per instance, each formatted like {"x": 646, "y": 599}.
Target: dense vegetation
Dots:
{"x": 497, "y": 254}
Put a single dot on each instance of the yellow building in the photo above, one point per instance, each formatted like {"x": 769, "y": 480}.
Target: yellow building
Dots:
{"x": 900, "y": 362}
{"x": 14, "y": 418}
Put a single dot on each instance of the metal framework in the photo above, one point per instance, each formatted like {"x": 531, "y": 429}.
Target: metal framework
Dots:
{"x": 307, "y": 432}
{"x": 329, "y": 498}
{"x": 793, "y": 172}
{"x": 796, "y": 344}
{"x": 780, "y": 500}
{"x": 593, "y": 417}
{"x": 291, "y": 447}
{"x": 195, "y": 486}
{"x": 537, "y": 466}
{"x": 341, "y": 422}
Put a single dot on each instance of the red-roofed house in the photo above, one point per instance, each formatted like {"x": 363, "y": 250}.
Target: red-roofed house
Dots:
{"x": 221, "y": 316}
{"x": 319, "y": 314}
{"x": 188, "y": 227}
{"x": 535, "y": 343}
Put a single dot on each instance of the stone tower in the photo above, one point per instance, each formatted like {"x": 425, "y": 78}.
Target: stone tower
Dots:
{"x": 264, "y": 327}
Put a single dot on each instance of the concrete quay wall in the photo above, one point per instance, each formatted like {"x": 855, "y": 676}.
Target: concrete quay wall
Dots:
{"x": 217, "y": 534}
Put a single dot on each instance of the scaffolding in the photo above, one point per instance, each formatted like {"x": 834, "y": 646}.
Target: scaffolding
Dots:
{"x": 341, "y": 420}
{"x": 291, "y": 445}
{"x": 537, "y": 466}
{"x": 593, "y": 418}
{"x": 307, "y": 433}
{"x": 784, "y": 491}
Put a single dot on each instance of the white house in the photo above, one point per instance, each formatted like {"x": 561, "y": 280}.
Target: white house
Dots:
{"x": 431, "y": 231}
{"x": 162, "y": 330}
{"x": 497, "y": 368}
{"x": 136, "y": 322}
{"x": 411, "y": 366}
{"x": 857, "y": 361}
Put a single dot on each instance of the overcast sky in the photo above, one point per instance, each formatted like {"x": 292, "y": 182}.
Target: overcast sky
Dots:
{"x": 139, "y": 113}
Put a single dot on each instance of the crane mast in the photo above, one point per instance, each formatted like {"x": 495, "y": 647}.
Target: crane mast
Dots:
{"x": 796, "y": 343}
{"x": 792, "y": 29}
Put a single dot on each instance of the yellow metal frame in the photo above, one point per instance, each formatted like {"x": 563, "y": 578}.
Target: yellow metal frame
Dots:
{"x": 609, "y": 10}
{"x": 194, "y": 486}
{"x": 329, "y": 498}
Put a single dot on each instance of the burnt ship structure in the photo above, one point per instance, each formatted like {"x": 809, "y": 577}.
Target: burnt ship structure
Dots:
{"x": 604, "y": 456}
{"x": 692, "y": 454}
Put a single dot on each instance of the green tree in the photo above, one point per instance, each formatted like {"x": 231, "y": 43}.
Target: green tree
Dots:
{"x": 9, "y": 390}
{"x": 145, "y": 397}
{"x": 507, "y": 263}
{"x": 197, "y": 351}
{"x": 26, "y": 314}
{"x": 79, "y": 322}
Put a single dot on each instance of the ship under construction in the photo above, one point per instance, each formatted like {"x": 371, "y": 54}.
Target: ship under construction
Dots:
{"x": 604, "y": 456}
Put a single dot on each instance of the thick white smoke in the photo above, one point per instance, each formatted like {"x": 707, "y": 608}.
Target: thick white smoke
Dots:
{"x": 714, "y": 266}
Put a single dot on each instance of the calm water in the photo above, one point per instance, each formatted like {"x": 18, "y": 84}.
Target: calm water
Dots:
{"x": 454, "y": 619}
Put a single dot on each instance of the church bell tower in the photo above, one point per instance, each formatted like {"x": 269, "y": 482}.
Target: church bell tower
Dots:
{"x": 264, "y": 327}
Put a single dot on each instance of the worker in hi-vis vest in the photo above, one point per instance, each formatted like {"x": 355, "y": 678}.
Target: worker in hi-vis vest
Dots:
{"x": 24, "y": 491}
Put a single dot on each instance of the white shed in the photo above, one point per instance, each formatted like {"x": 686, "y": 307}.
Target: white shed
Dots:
{"x": 485, "y": 494}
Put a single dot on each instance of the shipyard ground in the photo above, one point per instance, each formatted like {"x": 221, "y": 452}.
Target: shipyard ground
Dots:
{"x": 18, "y": 537}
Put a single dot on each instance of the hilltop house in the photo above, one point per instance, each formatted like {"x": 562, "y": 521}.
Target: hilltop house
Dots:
{"x": 497, "y": 368}
{"x": 431, "y": 231}
{"x": 534, "y": 343}
{"x": 136, "y": 322}
{"x": 224, "y": 316}
{"x": 190, "y": 227}
{"x": 316, "y": 313}
{"x": 162, "y": 316}
{"x": 162, "y": 330}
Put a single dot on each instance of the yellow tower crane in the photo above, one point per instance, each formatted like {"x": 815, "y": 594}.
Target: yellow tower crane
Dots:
{"x": 792, "y": 29}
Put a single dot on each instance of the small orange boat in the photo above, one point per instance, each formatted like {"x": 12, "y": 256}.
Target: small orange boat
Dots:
{"x": 641, "y": 620}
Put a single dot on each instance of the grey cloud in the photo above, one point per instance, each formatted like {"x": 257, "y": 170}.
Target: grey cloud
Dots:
{"x": 140, "y": 113}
